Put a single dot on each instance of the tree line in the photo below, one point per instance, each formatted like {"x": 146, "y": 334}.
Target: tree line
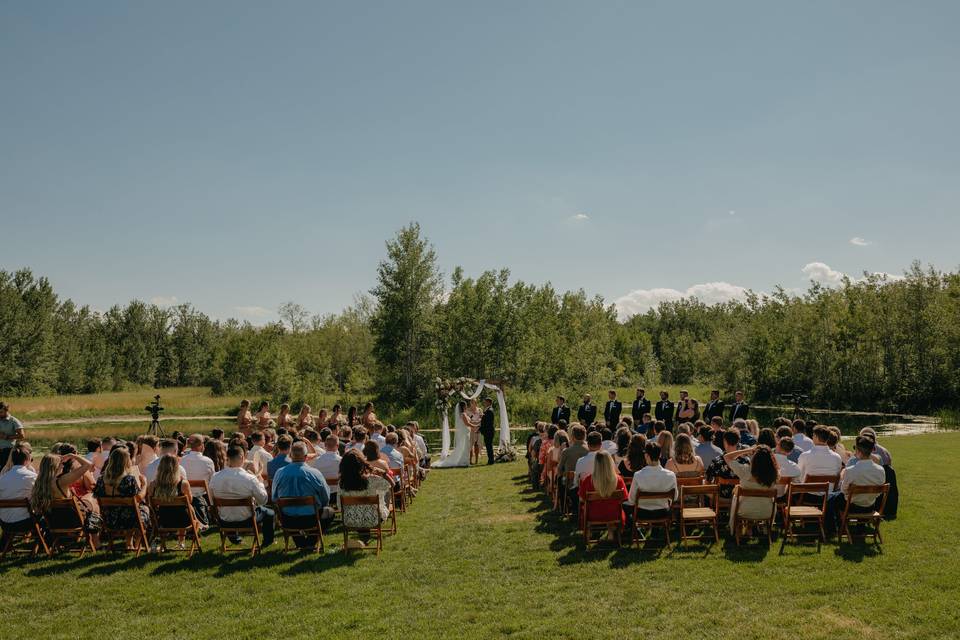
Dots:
{"x": 871, "y": 344}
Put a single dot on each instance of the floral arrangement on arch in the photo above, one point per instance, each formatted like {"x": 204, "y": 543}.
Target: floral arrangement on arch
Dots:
{"x": 448, "y": 387}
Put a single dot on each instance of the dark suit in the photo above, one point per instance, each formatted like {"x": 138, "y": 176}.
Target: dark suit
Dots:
{"x": 560, "y": 413}
{"x": 611, "y": 413}
{"x": 739, "y": 411}
{"x": 664, "y": 411}
{"x": 486, "y": 430}
{"x": 711, "y": 409}
{"x": 586, "y": 414}
{"x": 639, "y": 407}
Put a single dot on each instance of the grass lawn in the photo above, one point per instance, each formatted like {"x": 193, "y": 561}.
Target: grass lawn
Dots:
{"x": 480, "y": 556}
{"x": 183, "y": 401}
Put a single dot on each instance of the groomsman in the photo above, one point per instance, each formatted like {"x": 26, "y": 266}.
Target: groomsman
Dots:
{"x": 560, "y": 412}
{"x": 664, "y": 410}
{"x": 640, "y": 406}
{"x": 611, "y": 412}
{"x": 740, "y": 409}
{"x": 587, "y": 412}
{"x": 714, "y": 407}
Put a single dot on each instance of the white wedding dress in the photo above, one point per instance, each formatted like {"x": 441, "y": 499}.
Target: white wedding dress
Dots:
{"x": 460, "y": 456}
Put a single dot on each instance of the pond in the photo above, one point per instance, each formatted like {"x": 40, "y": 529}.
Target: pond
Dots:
{"x": 850, "y": 422}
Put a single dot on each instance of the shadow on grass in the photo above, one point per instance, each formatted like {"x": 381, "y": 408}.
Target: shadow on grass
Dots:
{"x": 858, "y": 551}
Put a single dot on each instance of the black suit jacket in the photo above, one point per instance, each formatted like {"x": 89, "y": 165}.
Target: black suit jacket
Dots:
{"x": 560, "y": 413}
{"x": 586, "y": 414}
{"x": 664, "y": 411}
{"x": 486, "y": 422}
{"x": 741, "y": 410}
{"x": 713, "y": 408}
{"x": 639, "y": 408}
{"x": 611, "y": 413}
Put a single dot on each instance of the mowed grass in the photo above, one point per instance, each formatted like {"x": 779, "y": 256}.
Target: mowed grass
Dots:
{"x": 479, "y": 555}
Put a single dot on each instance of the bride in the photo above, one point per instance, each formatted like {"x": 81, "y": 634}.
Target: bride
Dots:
{"x": 460, "y": 456}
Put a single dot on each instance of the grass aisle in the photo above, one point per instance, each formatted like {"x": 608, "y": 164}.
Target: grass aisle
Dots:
{"x": 479, "y": 556}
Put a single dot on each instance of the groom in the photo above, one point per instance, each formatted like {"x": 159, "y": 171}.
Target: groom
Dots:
{"x": 486, "y": 428}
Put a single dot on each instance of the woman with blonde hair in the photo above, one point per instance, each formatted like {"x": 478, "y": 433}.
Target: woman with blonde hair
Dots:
{"x": 753, "y": 427}
{"x": 665, "y": 440}
{"x": 305, "y": 418}
{"x": 54, "y": 483}
{"x": 685, "y": 463}
{"x": 170, "y": 484}
{"x": 119, "y": 480}
{"x": 606, "y": 483}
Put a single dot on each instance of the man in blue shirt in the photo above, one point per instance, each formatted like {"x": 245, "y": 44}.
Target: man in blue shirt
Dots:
{"x": 295, "y": 480}
{"x": 282, "y": 457}
{"x": 393, "y": 454}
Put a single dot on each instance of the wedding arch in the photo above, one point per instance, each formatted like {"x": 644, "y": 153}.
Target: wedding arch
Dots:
{"x": 446, "y": 389}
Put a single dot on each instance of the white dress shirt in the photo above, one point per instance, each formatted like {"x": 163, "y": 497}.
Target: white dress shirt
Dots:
{"x": 234, "y": 483}
{"x": 865, "y": 472}
{"x": 379, "y": 439}
{"x": 150, "y": 471}
{"x": 421, "y": 445}
{"x": 820, "y": 461}
{"x": 609, "y": 446}
{"x": 16, "y": 484}
{"x": 788, "y": 469}
{"x": 802, "y": 442}
{"x": 197, "y": 467}
{"x": 259, "y": 456}
{"x": 653, "y": 478}
{"x": 584, "y": 467}
{"x": 327, "y": 463}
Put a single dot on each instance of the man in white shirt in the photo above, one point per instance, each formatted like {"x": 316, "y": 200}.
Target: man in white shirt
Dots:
{"x": 328, "y": 463}
{"x": 820, "y": 460}
{"x": 788, "y": 468}
{"x": 422, "y": 452}
{"x": 16, "y": 483}
{"x": 652, "y": 478}
{"x": 376, "y": 434}
{"x": 800, "y": 439}
{"x": 607, "y": 442}
{"x": 257, "y": 454}
{"x": 584, "y": 466}
{"x": 168, "y": 447}
{"x": 389, "y": 449}
{"x": 198, "y": 467}
{"x": 865, "y": 472}
{"x": 236, "y": 482}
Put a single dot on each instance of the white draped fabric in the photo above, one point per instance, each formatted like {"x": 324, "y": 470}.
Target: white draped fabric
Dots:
{"x": 460, "y": 456}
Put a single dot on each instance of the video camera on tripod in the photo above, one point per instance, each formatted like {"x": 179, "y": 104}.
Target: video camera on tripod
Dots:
{"x": 154, "y": 410}
{"x": 798, "y": 400}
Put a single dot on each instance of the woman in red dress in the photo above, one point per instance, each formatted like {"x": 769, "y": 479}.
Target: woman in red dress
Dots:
{"x": 605, "y": 481}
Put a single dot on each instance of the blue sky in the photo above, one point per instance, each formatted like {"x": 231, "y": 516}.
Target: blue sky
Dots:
{"x": 237, "y": 155}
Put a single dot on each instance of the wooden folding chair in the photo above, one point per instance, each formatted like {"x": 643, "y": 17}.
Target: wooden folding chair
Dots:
{"x": 31, "y": 533}
{"x": 739, "y": 520}
{"x": 722, "y": 505}
{"x": 228, "y": 528}
{"x": 65, "y": 523}
{"x": 802, "y": 514}
{"x": 288, "y": 530}
{"x": 201, "y": 484}
{"x": 833, "y": 481}
{"x": 565, "y": 505}
{"x": 177, "y": 503}
{"x": 646, "y": 522}
{"x": 137, "y": 534}
{"x": 590, "y": 524}
{"x": 873, "y": 518}
{"x": 701, "y": 515}
{"x": 360, "y": 501}
{"x": 400, "y": 490}
{"x": 689, "y": 481}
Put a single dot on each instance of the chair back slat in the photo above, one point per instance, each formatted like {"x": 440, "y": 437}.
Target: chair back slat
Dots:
{"x": 347, "y": 501}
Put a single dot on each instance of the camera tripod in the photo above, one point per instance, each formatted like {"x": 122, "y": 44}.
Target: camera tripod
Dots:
{"x": 155, "y": 429}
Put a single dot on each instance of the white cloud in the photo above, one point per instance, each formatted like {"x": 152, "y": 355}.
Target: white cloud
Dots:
{"x": 164, "y": 301}
{"x": 857, "y": 241}
{"x": 253, "y": 311}
{"x": 579, "y": 217}
{"x": 824, "y": 274}
{"x": 642, "y": 300}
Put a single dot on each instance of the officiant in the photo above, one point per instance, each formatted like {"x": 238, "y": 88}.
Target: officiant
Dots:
{"x": 487, "y": 429}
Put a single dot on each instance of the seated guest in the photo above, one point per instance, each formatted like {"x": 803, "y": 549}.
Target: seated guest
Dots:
{"x": 820, "y": 460}
{"x": 746, "y": 438}
{"x": 378, "y": 463}
{"x": 835, "y": 444}
{"x": 94, "y": 447}
{"x": 786, "y": 431}
{"x": 800, "y": 439}
{"x": 881, "y": 455}
{"x": 83, "y": 487}
{"x": 605, "y": 481}
{"x": 420, "y": 443}
{"x": 546, "y": 445}
{"x": 168, "y": 446}
{"x": 328, "y": 462}
{"x": 236, "y": 483}
{"x": 622, "y": 440}
{"x": 376, "y": 434}
{"x": 357, "y": 479}
{"x": 716, "y": 426}
{"x": 584, "y": 466}
{"x": 295, "y": 480}
{"x": 788, "y": 468}
{"x": 216, "y": 450}
{"x": 757, "y": 469}
{"x": 258, "y": 454}
{"x": 146, "y": 452}
{"x": 719, "y": 468}
{"x": 17, "y": 480}
{"x": 767, "y": 438}
{"x": 392, "y": 452}
{"x": 569, "y": 457}
{"x": 865, "y": 472}
{"x": 282, "y": 456}
{"x": 121, "y": 479}
{"x": 634, "y": 460}
{"x": 56, "y": 479}
{"x": 197, "y": 466}
{"x": 685, "y": 463}
{"x": 169, "y": 483}
{"x": 705, "y": 449}
{"x": 652, "y": 478}
{"x": 665, "y": 440}
{"x": 359, "y": 438}
{"x": 607, "y": 443}
{"x": 645, "y": 426}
